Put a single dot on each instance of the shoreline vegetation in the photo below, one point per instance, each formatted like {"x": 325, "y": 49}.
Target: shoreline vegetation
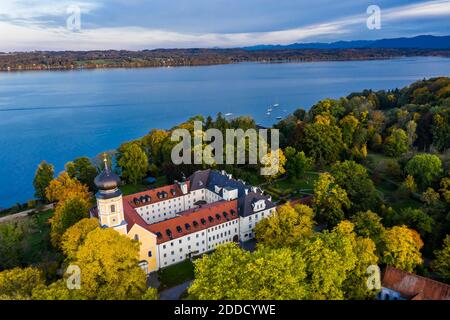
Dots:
{"x": 80, "y": 60}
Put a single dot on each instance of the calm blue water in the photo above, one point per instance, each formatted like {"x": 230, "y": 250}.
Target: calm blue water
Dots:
{"x": 58, "y": 116}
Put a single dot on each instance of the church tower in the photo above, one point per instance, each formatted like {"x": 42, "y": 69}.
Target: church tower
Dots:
{"x": 109, "y": 200}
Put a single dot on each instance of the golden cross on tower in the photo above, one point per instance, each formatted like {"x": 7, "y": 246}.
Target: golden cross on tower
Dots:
{"x": 105, "y": 160}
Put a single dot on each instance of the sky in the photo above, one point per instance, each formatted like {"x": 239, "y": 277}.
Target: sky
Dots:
{"x": 27, "y": 25}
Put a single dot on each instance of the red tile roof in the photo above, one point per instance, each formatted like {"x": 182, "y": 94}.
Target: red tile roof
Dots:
{"x": 414, "y": 287}
{"x": 305, "y": 200}
{"x": 172, "y": 191}
{"x": 204, "y": 212}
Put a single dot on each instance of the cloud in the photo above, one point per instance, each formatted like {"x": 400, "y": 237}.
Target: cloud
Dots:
{"x": 420, "y": 10}
{"x": 25, "y": 36}
{"x": 37, "y": 12}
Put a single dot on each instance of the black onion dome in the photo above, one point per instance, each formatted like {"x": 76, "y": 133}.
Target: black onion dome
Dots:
{"x": 107, "y": 180}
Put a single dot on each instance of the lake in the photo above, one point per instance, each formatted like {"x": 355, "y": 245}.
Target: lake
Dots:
{"x": 60, "y": 115}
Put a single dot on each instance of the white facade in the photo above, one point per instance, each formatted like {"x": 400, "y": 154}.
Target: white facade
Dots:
{"x": 247, "y": 224}
{"x": 197, "y": 243}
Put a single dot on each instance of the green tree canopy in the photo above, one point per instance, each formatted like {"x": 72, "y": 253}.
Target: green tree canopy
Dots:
{"x": 233, "y": 273}
{"x": 134, "y": 163}
{"x": 287, "y": 227}
{"x": 67, "y": 213}
{"x": 396, "y": 144}
{"x": 42, "y": 178}
{"x": 354, "y": 179}
{"x": 441, "y": 264}
{"x": 83, "y": 170}
{"x": 323, "y": 142}
{"x": 297, "y": 163}
{"x": 330, "y": 200}
{"x": 18, "y": 284}
{"x": 425, "y": 168}
{"x": 368, "y": 225}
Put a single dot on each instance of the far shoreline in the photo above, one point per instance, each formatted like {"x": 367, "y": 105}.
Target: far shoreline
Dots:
{"x": 76, "y": 61}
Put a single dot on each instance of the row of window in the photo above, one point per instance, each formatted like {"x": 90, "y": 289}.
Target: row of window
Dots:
{"x": 221, "y": 235}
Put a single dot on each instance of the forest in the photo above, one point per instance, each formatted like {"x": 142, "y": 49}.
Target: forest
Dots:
{"x": 68, "y": 60}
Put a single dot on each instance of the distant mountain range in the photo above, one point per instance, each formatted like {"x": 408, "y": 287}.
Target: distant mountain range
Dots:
{"x": 419, "y": 42}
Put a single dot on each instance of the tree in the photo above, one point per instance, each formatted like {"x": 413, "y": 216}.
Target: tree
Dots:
{"x": 153, "y": 144}
{"x": 441, "y": 132}
{"x": 286, "y": 227}
{"x": 348, "y": 124}
{"x": 417, "y": 220}
{"x": 355, "y": 284}
{"x": 441, "y": 264}
{"x": 396, "y": 144}
{"x": 233, "y": 273}
{"x": 323, "y": 142}
{"x": 424, "y": 168}
{"x": 330, "y": 200}
{"x": 411, "y": 128}
{"x": 75, "y": 236}
{"x": 67, "y": 213}
{"x": 109, "y": 267}
{"x": 134, "y": 163}
{"x": 82, "y": 170}
{"x": 55, "y": 291}
{"x": 403, "y": 248}
{"x": 44, "y": 174}
{"x": 445, "y": 189}
{"x": 64, "y": 187}
{"x": 329, "y": 258}
{"x": 297, "y": 163}
{"x": 410, "y": 184}
{"x": 360, "y": 189}
{"x": 150, "y": 294}
{"x": 368, "y": 225}
{"x": 11, "y": 244}
{"x": 430, "y": 197}
{"x": 18, "y": 284}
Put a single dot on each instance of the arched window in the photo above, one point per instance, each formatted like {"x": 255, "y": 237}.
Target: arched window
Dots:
{"x": 113, "y": 208}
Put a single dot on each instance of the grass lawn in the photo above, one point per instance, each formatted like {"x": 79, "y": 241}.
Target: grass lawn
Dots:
{"x": 176, "y": 274}
{"x": 38, "y": 247}
{"x": 286, "y": 187}
{"x": 132, "y": 188}
{"x": 135, "y": 188}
